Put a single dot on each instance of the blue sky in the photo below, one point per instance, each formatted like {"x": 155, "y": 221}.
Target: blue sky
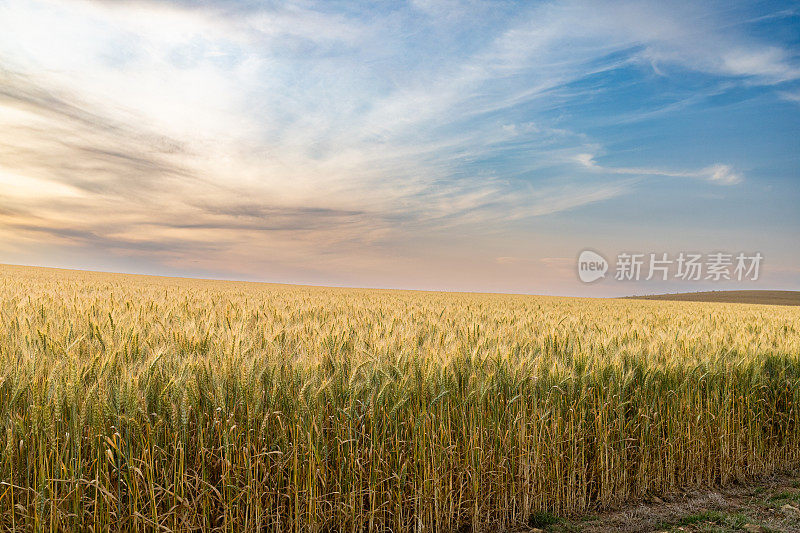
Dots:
{"x": 430, "y": 144}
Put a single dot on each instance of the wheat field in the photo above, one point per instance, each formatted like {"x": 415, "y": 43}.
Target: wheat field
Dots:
{"x": 134, "y": 403}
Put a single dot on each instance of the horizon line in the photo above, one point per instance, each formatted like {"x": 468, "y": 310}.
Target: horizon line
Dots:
{"x": 263, "y": 282}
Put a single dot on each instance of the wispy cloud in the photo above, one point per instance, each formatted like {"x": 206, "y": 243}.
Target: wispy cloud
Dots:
{"x": 791, "y": 96}
{"x": 718, "y": 173}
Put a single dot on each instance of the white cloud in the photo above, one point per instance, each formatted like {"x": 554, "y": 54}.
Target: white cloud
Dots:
{"x": 722, "y": 174}
{"x": 717, "y": 173}
{"x": 767, "y": 64}
{"x": 790, "y": 96}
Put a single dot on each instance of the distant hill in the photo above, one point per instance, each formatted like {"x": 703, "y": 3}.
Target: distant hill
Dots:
{"x": 739, "y": 297}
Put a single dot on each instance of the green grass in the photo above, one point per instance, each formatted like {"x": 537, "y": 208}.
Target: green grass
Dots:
{"x": 542, "y": 519}
{"x": 782, "y": 496}
{"x": 714, "y": 517}
{"x": 709, "y": 521}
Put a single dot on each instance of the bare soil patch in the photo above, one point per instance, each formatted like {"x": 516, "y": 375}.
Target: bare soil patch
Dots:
{"x": 766, "y": 506}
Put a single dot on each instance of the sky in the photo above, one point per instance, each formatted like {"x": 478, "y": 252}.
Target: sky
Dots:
{"x": 443, "y": 145}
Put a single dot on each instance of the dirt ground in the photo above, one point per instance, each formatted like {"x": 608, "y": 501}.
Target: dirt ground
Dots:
{"x": 769, "y": 505}
{"x": 740, "y": 297}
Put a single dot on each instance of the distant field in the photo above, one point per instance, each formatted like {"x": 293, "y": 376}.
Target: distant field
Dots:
{"x": 134, "y": 403}
{"x": 739, "y": 297}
